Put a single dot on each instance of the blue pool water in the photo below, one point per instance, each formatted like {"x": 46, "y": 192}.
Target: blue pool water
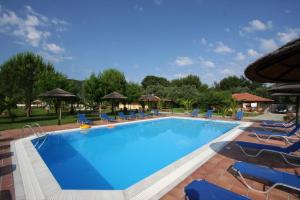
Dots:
{"x": 115, "y": 159}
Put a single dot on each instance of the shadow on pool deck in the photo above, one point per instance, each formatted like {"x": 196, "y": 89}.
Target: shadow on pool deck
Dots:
{"x": 233, "y": 151}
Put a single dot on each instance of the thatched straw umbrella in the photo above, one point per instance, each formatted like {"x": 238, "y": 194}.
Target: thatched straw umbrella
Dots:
{"x": 114, "y": 97}
{"x": 149, "y": 98}
{"x": 60, "y": 95}
{"x": 280, "y": 66}
{"x": 288, "y": 90}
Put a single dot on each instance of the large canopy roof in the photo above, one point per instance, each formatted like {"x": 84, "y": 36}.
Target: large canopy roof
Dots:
{"x": 58, "y": 93}
{"x": 150, "y": 98}
{"x": 114, "y": 95}
{"x": 286, "y": 88}
{"x": 246, "y": 97}
{"x": 280, "y": 66}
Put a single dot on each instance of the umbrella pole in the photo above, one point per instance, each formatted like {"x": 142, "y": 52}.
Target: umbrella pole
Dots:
{"x": 297, "y": 109}
{"x": 59, "y": 113}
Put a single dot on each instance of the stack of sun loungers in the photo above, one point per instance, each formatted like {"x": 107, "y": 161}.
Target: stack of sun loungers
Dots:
{"x": 201, "y": 189}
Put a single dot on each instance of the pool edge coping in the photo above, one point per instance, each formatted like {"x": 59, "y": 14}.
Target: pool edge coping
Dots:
{"x": 151, "y": 187}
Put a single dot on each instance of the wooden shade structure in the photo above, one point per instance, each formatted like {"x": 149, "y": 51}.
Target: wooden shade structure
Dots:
{"x": 114, "y": 97}
{"x": 149, "y": 98}
{"x": 60, "y": 95}
{"x": 288, "y": 90}
{"x": 280, "y": 66}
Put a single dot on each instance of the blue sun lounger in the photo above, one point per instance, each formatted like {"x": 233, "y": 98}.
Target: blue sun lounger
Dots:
{"x": 156, "y": 112}
{"x": 270, "y": 134}
{"x": 290, "y": 123}
{"x": 104, "y": 116}
{"x": 195, "y": 113}
{"x": 81, "y": 118}
{"x": 123, "y": 116}
{"x": 143, "y": 115}
{"x": 266, "y": 174}
{"x": 239, "y": 115}
{"x": 132, "y": 115}
{"x": 283, "y": 151}
{"x": 209, "y": 114}
{"x": 203, "y": 190}
{"x": 279, "y": 125}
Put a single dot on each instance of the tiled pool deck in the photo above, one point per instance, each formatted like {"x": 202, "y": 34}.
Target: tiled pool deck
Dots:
{"x": 215, "y": 170}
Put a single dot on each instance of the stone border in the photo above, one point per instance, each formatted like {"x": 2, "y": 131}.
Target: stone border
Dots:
{"x": 33, "y": 179}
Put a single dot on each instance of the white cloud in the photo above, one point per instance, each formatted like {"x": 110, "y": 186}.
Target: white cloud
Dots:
{"x": 183, "y": 61}
{"x": 138, "y": 8}
{"x": 54, "y": 57}
{"x": 32, "y": 28}
{"x": 33, "y": 12}
{"x": 180, "y": 75}
{"x": 158, "y": 2}
{"x": 252, "y": 53}
{"x": 54, "y": 48}
{"x": 257, "y": 25}
{"x": 227, "y": 30}
{"x": 207, "y": 63}
{"x": 222, "y": 48}
{"x": 227, "y": 72}
{"x": 267, "y": 45}
{"x": 240, "y": 56}
{"x": 203, "y": 41}
{"x": 289, "y": 35}
{"x": 59, "y": 22}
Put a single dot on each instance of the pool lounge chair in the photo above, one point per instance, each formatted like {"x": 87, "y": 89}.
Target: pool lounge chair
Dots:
{"x": 285, "y": 152}
{"x": 143, "y": 115}
{"x": 266, "y": 174}
{"x": 123, "y": 116}
{"x": 81, "y": 118}
{"x": 278, "y": 124}
{"x": 239, "y": 115}
{"x": 209, "y": 114}
{"x": 195, "y": 113}
{"x": 203, "y": 190}
{"x": 269, "y": 134}
{"x": 104, "y": 116}
{"x": 132, "y": 115}
{"x": 156, "y": 112}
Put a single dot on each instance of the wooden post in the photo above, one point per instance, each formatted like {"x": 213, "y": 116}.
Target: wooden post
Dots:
{"x": 59, "y": 112}
{"x": 297, "y": 110}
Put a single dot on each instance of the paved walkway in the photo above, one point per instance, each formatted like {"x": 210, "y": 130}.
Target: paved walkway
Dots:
{"x": 267, "y": 116}
{"x": 216, "y": 170}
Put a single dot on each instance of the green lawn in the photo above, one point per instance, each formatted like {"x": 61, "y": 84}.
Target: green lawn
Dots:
{"x": 39, "y": 116}
{"x": 43, "y": 118}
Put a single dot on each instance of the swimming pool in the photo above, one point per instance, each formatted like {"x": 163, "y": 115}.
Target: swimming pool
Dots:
{"x": 117, "y": 158}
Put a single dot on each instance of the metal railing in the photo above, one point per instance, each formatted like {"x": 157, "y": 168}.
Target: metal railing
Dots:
{"x": 40, "y": 134}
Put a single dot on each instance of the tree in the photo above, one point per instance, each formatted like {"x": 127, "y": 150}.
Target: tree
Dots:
{"x": 157, "y": 90}
{"x": 230, "y": 83}
{"x": 93, "y": 92}
{"x": 154, "y": 80}
{"x": 26, "y": 69}
{"x": 217, "y": 99}
{"x": 185, "y": 95}
{"x": 10, "y": 92}
{"x": 112, "y": 80}
{"x": 50, "y": 79}
{"x": 133, "y": 92}
{"x": 189, "y": 80}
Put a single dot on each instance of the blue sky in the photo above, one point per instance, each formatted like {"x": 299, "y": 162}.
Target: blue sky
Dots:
{"x": 170, "y": 38}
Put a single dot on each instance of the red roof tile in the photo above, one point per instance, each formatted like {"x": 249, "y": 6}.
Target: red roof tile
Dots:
{"x": 246, "y": 97}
